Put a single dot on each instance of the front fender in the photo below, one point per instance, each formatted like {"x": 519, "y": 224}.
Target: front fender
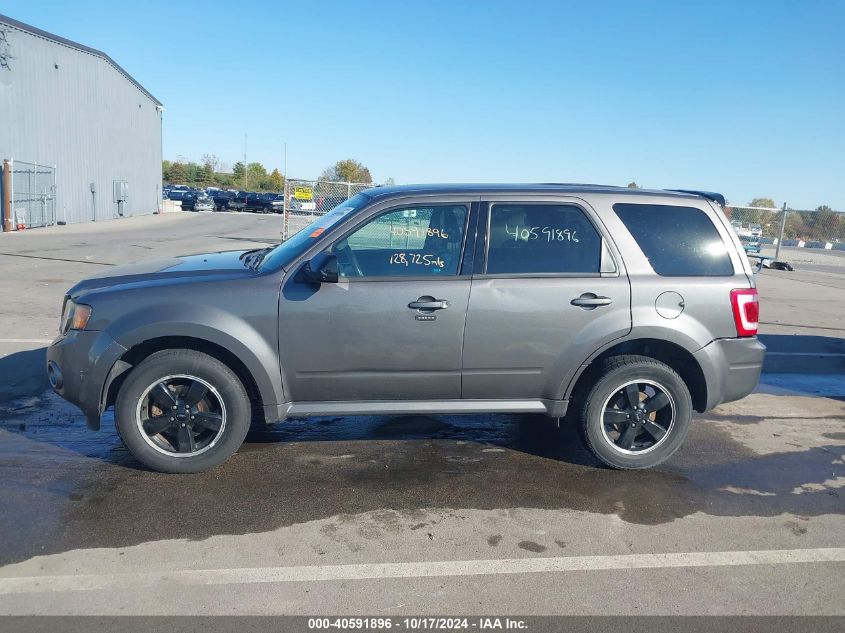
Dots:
{"x": 253, "y": 340}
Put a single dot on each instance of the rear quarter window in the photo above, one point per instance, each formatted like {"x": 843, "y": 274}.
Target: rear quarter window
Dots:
{"x": 677, "y": 241}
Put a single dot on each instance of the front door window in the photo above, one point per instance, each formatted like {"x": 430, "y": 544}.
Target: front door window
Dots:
{"x": 407, "y": 242}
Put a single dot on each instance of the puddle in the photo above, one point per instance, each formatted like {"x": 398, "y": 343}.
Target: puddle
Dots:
{"x": 64, "y": 487}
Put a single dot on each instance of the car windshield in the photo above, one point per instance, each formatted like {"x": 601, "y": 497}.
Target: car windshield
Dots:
{"x": 283, "y": 254}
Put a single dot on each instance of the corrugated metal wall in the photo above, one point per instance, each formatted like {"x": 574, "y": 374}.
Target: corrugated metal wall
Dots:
{"x": 69, "y": 108}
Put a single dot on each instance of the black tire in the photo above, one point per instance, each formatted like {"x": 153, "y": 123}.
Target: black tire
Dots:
{"x": 225, "y": 401}
{"x": 609, "y": 423}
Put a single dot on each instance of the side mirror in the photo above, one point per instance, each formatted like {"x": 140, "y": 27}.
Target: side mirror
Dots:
{"x": 321, "y": 269}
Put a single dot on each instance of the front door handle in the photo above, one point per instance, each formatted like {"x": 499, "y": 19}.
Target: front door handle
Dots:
{"x": 591, "y": 301}
{"x": 428, "y": 304}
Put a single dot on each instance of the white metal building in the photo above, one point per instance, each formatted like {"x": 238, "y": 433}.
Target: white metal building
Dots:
{"x": 82, "y": 136}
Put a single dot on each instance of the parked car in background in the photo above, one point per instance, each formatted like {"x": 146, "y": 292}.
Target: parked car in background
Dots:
{"x": 193, "y": 200}
{"x": 618, "y": 310}
{"x": 246, "y": 199}
{"x": 750, "y": 235}
{"x": 225, "y": 200}
{"x": 178, "y": 195}
{"x": 270, "y": 203}
{"x": 203, "y": 202}
{"x": 262, "y": 202}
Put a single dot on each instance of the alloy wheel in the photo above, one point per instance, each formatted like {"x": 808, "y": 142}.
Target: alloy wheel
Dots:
{"x": 181, "y": 415}
{"x": 638, "y": 417}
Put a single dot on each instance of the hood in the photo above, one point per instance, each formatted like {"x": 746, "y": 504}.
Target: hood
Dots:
{"x": 173, "y": 270}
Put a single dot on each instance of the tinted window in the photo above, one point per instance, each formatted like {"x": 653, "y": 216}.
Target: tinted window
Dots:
{"x": 541, "y": 238}
{"x": 408, "y": 242}
{"x": 678, "y": 241}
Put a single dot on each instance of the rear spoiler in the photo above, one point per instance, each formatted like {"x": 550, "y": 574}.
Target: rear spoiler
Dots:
{"x": 718, "y": 198}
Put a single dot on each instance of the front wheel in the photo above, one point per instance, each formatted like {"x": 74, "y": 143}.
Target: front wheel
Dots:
{"x": 637, "y": 414}
{"x": 182, "y": 411}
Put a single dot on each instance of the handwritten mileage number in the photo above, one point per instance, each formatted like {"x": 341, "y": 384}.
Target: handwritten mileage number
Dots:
{"x": 416, "y": 259}
{"x": 548, "y": 233}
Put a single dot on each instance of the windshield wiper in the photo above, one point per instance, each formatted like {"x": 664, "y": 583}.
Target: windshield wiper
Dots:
{"x": 259, "y": 257}
{"x": 244, "y": 255}
{"x": 253, "y": 258}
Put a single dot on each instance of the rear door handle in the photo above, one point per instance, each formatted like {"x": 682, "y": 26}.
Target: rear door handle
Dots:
{"x": 431, "y": 304}
{"x": 591, "y": 301}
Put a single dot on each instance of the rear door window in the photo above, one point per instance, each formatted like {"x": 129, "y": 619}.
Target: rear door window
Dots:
{"x": 677, "y": 241}
{"x": 541, "y": 239}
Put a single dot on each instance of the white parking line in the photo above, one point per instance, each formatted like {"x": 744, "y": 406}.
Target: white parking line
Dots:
{"x": 313, "y": 573}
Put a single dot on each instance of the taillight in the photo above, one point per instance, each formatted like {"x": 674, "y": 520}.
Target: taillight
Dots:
{"x": 746, "y": 309}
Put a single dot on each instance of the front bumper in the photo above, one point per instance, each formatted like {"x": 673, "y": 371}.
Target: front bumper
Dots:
{"x": 78, "y": 365}
{"x": 731, "y": 367}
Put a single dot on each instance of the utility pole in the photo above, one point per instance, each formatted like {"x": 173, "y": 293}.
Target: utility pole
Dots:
{"x": 246, "y": 170}
{"x": 782, "y": 227}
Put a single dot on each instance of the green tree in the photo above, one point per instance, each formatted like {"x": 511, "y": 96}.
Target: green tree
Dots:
{"x": 633, "y": 185}
{"x": 794, "y": 227}
{"x": 275, "y": 180}
{"x": 225, "y": 181}
{"x": 347, "y": 170}
{"x": 239, "y": 175}
{"x": 177, "y": 174}
{"x": 203, "y": 175}
{"x": 769, "y": 220}
{"x": 822, "y": 224}
{"x": 763, "y": 202}
{"x": 256, "y": 176}
{"x": 191, "y": 169}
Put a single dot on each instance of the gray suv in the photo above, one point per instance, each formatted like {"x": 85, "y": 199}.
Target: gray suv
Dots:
{"x": 621, "y": 310}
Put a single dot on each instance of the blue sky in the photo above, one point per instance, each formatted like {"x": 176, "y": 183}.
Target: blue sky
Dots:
{"x": 743, "y": 97}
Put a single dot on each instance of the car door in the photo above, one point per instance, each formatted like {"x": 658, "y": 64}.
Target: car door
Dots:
{"x": 549, "y": 290}
{"x": 392, "y": 327}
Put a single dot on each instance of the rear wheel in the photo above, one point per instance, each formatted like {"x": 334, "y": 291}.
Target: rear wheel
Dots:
{"x": 182, "y": 411}
{"x": 637, "y": 414}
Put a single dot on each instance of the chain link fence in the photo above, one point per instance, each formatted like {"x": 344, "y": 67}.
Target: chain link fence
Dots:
{"x": 766, "y": 231}
{"x": 33, "y": 194}
{"x": 306, "y": 200}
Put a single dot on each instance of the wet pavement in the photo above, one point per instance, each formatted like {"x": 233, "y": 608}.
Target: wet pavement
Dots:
{"x": 64, "y": 487}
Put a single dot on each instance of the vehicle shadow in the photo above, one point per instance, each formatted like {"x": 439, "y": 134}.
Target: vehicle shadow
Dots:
{"x": 23, "y": 374}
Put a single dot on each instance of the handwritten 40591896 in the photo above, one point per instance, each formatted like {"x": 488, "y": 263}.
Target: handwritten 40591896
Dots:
{"x": 417, "y": 231}
{"x": 545, "y": 233}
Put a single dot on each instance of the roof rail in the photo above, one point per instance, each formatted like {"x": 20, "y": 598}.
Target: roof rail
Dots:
{"x": 718, "y": 198}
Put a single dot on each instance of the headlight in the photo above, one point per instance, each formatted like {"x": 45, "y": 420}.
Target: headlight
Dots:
{"x": 75, "y": 316}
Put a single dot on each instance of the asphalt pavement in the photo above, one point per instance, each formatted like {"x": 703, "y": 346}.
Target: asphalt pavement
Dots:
{"x": 484, "y": 515}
